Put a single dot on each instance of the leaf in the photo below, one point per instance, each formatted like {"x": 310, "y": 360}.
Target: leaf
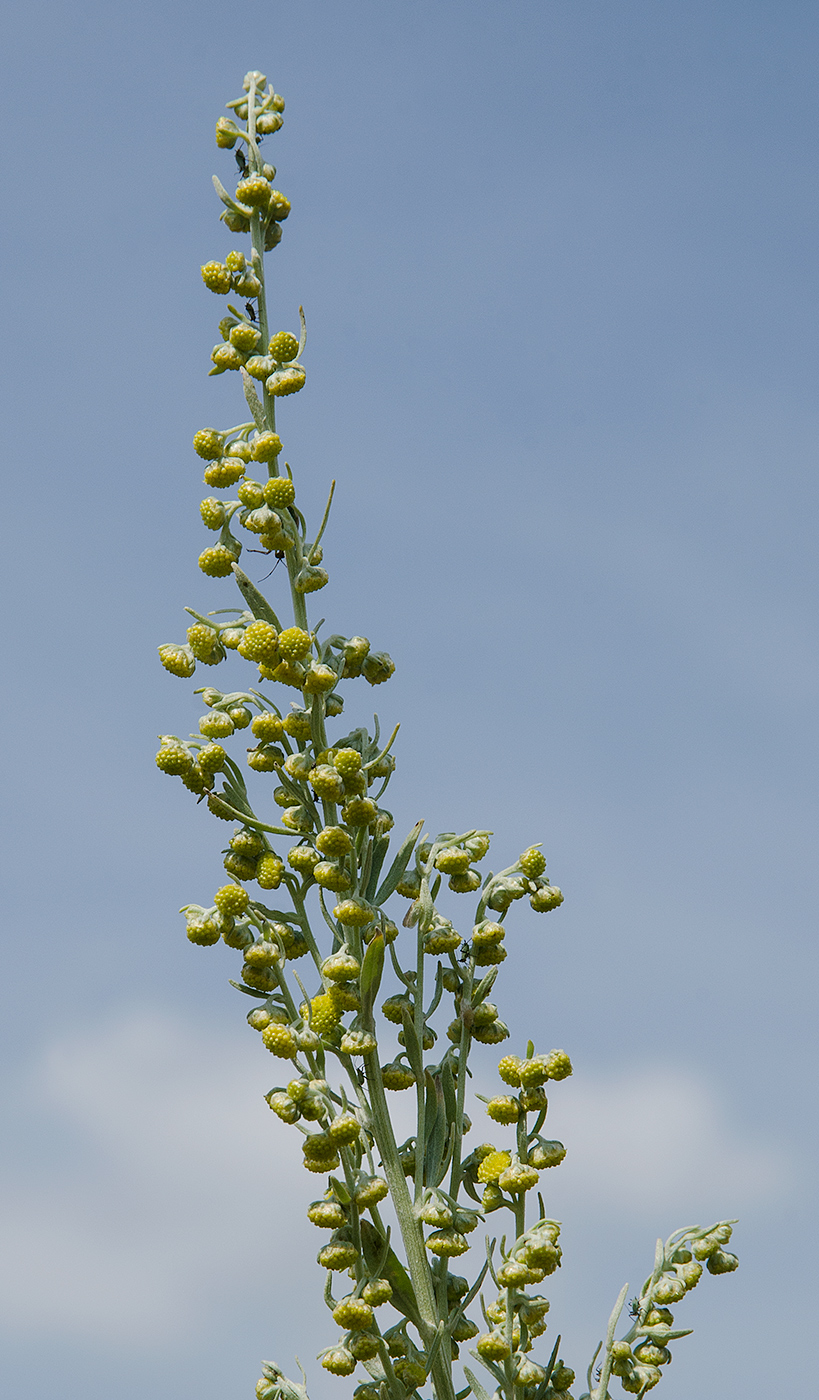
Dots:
{"x": 248, "y": 991}
{"x": 412, "y": 1045}
{"x": 484, "y": 987}
{"x": 256, "y": 601}
{"x": 399, "y": 865}
{"x": 477, "y": 1389}
{"x": 253, "y": 402}
{"x": 403, "y": 1297}
{"x": 438, "y": 1136}
{"x": 380, "y": 848}
{"x": 229, "y": 202}
{"x": 371, "y": 972}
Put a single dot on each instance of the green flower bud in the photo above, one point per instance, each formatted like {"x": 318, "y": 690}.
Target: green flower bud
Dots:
{"x": 668, "y": 1289}
{"x": 246, "y": 841}
{"x": 226, "y": 472}
{"x": 260, "y": 366}
{"x": 266, "y": 124}
{"x": 284, "y": 1108}
{"x": 266, "y": 448}
{"x": 240, "y": 867}
{"x": 265, "y": 760}
{"x": 340, "y": 967}
{"x": 208, "y": 443}
{"x": 492, "y": 1198}
{"x": 487, "y": 934}
{"x": 378, "y": 668}
{"x": 493, "y": 1346}
{"x": 503, "y": 1109}
{"x": 721, "y": 1262}
{"x": 545, "y": 1153}
{"x": 212, "y": 759}
{"x": 452, "y": 861}
{"x": 447, "y": 1244}
{"x": 333, "y": 841}
{"x": 216, "y": 277}
{"x": 358, "y": 1043}
{"x": 515, "y": 1273}
{"x": 528, "y": 1373}
{"x": 286, "y": 381}
{"x": 279, "y": 208}
{"x": 310, "y": 579}
{"x": 227, "y": 133}
{"x": 488, "y": 956}
{"x": 283, "y": 346}
{"x": 337, "y": 1255}
{"x": 217, "y": 562}
{"x": 178, "y": 660}
{"x": 397, "y": 1076}
{"x": 331, "y": 876}
{"x": 356, "y": 913}
{"x": 303, "y": 859}
{"x": 466, "y": 883}
{"x": 377, "y": 1292}
{"x": 517, "y": 1178}
{"x": 339, "y": 1361}
{"x": 359, "y": 811}
{"x": 370, "y": 1191}
{"x": 173, "y": 757}
{"x": 328, "y": 1215}
{"x": 690, "y": 1273}
{"x": 355, "y": 652}
{"x": 546, "y": 898}
{"x": 562, "y": 1377}
{"x": 244, "y": 337}
{"x": 212, "y": 513}
{"x": 491, "y": 1034}
{"x": 410, "y": 1373}
{"x": 353, "y": 1313}
{"x": 254, "y": 191}
{"x": 650, "y": 1355}
{"x": 532, "y": 862}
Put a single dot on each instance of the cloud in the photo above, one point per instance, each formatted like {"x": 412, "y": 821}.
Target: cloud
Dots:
{"x": 129, "y": 1218}
{"x": 659, "y": 1141}
{"x": 141, "y": 1149}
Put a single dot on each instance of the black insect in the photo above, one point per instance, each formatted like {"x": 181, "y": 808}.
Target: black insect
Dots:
{"x": 279, "y": 557}
{"x": 251, "y": 310}
{"x": 598, "y": 1373}
{"x": 239, "y": 157}
{"x": 466, "y": 953}
{"x": 634, "y": 1308}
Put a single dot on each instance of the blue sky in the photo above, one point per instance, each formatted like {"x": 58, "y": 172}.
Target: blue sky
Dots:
{"x": 558, "y": 263}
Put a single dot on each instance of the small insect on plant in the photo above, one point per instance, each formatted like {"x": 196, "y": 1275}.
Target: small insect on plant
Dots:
{"x": 350, "y": 966}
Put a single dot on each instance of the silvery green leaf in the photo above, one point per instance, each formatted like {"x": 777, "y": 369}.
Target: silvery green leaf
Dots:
{"x": 255, "y": 600}
{"x": 229, "y": 202}
{"x": 253, "y": 402}
{"x": 399, "y": 865}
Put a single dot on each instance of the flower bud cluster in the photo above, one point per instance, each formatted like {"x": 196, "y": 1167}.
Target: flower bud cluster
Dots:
{"x": 324, "y": 847}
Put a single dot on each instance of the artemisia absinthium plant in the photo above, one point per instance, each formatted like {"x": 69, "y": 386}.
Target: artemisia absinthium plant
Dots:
{"x": 328, "y": 860}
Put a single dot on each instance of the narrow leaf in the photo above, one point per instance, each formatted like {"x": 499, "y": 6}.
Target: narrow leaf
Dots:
{"x": 257, "y": 603}
{"x": 371, "y": 973}
{"x": 380, "y": 848}
{"x": 253, "y": 402}
{"x": 477, "y": 1389}
{"x": 403, "y": 1297}
{"x": 399, "y": 865}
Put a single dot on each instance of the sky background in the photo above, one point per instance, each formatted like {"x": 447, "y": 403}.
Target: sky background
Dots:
{"x": 558, "y": 261}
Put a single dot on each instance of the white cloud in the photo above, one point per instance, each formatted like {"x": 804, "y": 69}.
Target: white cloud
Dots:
{"x": 154, "y": 1149}
{"x": 650, "y": 1142}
